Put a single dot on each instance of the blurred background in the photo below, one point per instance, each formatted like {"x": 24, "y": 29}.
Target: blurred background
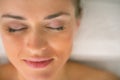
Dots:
{"x": 98, "y": 39}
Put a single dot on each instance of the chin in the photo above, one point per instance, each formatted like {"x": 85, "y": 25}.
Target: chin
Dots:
{"x": 40, "y": 73}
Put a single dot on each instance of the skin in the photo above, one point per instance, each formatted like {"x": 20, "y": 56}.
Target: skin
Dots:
{"x": 37, "y": 36}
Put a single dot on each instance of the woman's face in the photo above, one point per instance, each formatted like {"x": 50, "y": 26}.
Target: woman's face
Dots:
{"x": 37, "y": 34}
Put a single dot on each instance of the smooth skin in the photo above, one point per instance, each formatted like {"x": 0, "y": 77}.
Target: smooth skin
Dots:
{"x": 42, "y": 29}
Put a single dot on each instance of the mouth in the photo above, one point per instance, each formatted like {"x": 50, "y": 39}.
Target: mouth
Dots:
{"x": 38, "y": 63}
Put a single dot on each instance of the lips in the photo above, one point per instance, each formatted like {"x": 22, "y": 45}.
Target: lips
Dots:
{"x": 38, "y": 63}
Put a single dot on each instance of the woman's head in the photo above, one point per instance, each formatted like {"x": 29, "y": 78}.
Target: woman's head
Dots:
{"x": 38, "y": 34}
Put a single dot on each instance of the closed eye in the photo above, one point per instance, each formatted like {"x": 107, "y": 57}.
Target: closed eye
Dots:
{"x": 15, "y": 30}
{"x": 58, "y": 28}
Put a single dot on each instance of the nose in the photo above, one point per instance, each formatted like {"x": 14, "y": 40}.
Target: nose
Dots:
{"x": 36, "y": 42}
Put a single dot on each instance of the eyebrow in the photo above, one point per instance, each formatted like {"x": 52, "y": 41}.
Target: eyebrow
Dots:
{"x": 57, "y": 15}
{"x": 48, "y": 17}
{"x": 13, "y": 16}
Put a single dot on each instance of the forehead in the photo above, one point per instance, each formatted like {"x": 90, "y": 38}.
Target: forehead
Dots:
{"x": 34, "y": 2}
{"x": 36, "y": 7}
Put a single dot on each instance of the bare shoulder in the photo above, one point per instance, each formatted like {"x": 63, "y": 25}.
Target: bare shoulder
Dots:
{"x": 79, "y": 71}
{"x": 6, "y": 72}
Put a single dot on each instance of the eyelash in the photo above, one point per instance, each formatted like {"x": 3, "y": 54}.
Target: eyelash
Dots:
{"x": 58, "y": 28}
{"x": 15, "y": 30}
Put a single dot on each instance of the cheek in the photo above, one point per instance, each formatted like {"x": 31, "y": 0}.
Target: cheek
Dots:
{"x": 62, "y": 45}
{"x": 12, "y": 46}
